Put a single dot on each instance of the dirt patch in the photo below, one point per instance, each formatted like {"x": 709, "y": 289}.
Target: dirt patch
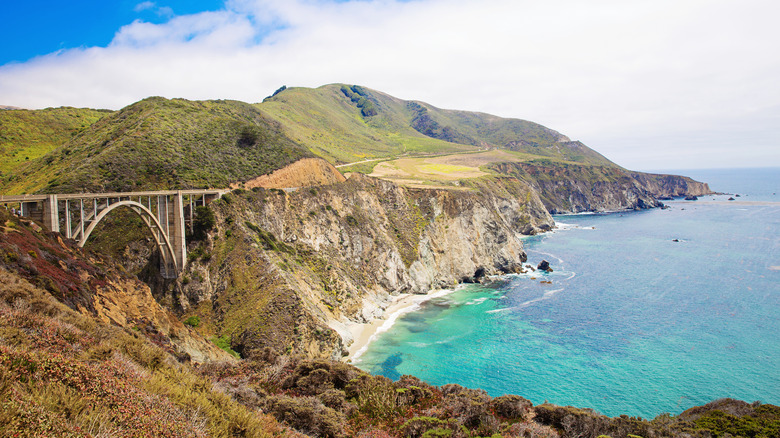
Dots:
{"x": 306, "y": 172}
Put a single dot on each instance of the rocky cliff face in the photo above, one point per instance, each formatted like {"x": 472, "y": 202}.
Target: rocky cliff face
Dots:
{"x": 671, "y": 185}
{"x": 288, "y": 270}
{"x": 574, "y": 188}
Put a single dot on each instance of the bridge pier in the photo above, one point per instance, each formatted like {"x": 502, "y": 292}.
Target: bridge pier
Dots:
{"x": 178, "y": 236}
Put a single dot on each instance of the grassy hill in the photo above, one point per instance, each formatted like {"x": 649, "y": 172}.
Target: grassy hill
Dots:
{"x": 333, "y": 126}
{"x": 162, "y": 143}
{"x": 26, "y": 135}
{"x": 159, "y": 143}
{"x": 351, "y": 123}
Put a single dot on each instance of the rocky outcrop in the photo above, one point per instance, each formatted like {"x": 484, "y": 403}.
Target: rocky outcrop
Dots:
{"x": 289, "y": 270}
{"x": 671, "y": 185}
{"x": 574, "y": 188}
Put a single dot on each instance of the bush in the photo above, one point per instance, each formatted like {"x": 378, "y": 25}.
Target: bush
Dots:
{"x": 192, "y": 321}
{"x": 307, "y": 415}
{"x": 512, "y": 407}
{"x": 203, "y": 222}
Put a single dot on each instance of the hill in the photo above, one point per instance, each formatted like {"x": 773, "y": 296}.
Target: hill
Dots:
{"x": 159, "y": 143}
{"x": 26, "y": 135}
{"x": 345, "y": 123}
{"x": 162, "y": 143}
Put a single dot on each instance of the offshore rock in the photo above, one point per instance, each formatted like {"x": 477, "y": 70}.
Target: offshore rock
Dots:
{"x": 544, "y": 265}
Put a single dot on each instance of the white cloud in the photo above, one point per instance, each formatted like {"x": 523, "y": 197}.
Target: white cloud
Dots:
{"x": 631, "y": 79}
{"x": 143, "y": 6}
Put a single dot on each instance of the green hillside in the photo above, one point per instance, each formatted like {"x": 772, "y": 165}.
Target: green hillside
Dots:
{"x": 26, "y": 135}
{"x": 159, "y": 143}
{"x": 332, "y": 122}
{"x": 334, "y": 127}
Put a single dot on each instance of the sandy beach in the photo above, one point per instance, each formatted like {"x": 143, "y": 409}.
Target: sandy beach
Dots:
{"x": 364, "y": 334}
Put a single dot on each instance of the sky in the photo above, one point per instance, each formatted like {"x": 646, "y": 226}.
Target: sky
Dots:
{"x": 651, "y": 84}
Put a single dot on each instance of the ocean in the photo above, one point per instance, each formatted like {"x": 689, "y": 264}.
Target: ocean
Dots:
{"x": 645, "y": 312}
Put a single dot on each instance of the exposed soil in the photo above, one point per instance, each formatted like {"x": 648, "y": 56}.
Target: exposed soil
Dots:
{"x": 306, "y": 172}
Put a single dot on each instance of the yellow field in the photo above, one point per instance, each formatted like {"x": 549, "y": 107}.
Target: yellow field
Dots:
{"x": 442, "y": 171}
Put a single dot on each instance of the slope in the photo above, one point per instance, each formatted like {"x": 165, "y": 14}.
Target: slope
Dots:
{"x": 351, "y": 123}
{"x": 333, "y": 126}
{"x": 162, "y": 144}
{"x": 26, "y": 135}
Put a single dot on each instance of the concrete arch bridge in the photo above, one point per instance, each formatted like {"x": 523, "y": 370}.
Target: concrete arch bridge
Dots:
{"x": 165, "y": 213}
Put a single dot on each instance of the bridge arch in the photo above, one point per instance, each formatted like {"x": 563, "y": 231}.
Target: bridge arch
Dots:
{"x": 158, "y": 232}
{"x": 167, "y": 221}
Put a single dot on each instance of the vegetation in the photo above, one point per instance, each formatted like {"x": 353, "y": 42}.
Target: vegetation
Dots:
{"x": 162, "y": 144}
{"x": 28, "y": 135}
{"x": 65, "y": 374}
{"x": 159, "y": 143}
{"x": 203, "y": 222}
{"x": 328, "y": 122}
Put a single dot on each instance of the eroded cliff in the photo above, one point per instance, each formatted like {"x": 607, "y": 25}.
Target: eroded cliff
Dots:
{"x": 290, "y": 269}
{"x": 575, "y": 188}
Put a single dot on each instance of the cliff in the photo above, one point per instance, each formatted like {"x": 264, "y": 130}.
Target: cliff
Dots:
{"x": 574, "y": 188}
{"x": 290, "y": 270}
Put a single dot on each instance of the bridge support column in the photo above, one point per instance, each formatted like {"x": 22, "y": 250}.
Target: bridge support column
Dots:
{"x": 51, "y": 218}
{"x": 177, "y": 234}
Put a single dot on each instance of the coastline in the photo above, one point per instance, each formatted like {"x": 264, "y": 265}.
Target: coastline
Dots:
{"x": 365, "y": 333}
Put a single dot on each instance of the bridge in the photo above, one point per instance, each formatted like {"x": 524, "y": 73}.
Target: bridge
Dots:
{"x": 165, "y": 213}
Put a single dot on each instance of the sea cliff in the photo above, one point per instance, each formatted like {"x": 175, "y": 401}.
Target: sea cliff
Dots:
{"x": 576, "y": 188}
{"x": 294, "y": 269}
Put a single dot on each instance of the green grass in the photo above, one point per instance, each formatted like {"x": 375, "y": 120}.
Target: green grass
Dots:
{"x": 331, "y": 126}
{"x": 159, "y": 143}
{"x": 27, "y": 135}
{"x": 162, "y": 144}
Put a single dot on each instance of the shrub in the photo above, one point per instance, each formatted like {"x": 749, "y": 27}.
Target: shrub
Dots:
{"x": 223, "y": 342}
{"x": 192, "y": 321}
{"x": 306, "y": 414}
{"x": 512, "y": 407}
{"x": 203, "y": 222}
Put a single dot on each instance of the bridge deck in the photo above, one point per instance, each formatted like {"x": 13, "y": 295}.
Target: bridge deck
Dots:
{"x": 67, "y": 196}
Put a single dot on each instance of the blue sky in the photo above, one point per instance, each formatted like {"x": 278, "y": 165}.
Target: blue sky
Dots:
{"x": 39, "y": 27}
{"x": 649, "y": 83}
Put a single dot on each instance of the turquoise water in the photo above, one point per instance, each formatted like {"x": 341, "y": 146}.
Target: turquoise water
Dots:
{"x": 630, "y": 321}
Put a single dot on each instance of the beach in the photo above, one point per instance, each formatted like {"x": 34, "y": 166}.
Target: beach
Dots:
{"x": 365, "y": 333}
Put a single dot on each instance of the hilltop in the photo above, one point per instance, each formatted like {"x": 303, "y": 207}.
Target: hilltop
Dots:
{"x": 160, "y": 143}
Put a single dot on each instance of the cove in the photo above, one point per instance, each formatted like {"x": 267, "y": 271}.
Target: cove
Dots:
{"x": 645, "y": 312}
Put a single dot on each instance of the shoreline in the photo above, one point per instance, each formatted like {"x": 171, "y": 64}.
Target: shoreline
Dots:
{"x": 365, "y": 333}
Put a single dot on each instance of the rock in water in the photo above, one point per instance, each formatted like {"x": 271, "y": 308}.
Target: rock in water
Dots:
{"x": 691, "y": 198}
{"x": 544, "y": 265}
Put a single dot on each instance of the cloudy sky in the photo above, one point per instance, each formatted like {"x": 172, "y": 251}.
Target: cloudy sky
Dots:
{"x": 651, "y": 84}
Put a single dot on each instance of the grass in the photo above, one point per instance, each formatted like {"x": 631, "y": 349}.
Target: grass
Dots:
{"x": 330, "y": 125}
{"x": 162, "y": 144}
{"x": 159, "y": 143}
{"x": 28, "y": 135}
